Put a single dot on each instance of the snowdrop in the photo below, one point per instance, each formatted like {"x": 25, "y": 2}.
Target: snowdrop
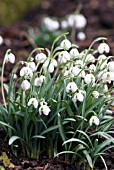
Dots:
{"x": 111, "y": 66}
{"x": 78, "y": 21}
{"x": 66, "y": 44}
{"x": 41, "y": 57}
{"x": 32, "y": 66}
{"x": 34, "y": 102}
{"x": 74, "y": 53}
{"x": 71, "y": 87}
{"x": 44, "y": 109}
{"x": 90, "y": 58}
{"x": 92, "y": 68}
{"x": 95, "y": 94}
{"x": 105, "y": 88}
{"x": 89, "y": 78}
{"x": 64, "y": 24}
{"x": 103, "y": 47}
{"x": 63, "y": 57}
{"x": 78, "y": 96}
{"x": 101, "y": 59}
{"x": 10, "y": 58}
{"x": 108, "y": 77}
{"x": 39, "y": 80}
{"x": 26, "y": 72}
{"x": 1, "y": 40}
{"x": 51, "y": 24}
{"x": 95, "y": 120}
{"x": 25, "y": 85}
{"x": 81, "y": 36}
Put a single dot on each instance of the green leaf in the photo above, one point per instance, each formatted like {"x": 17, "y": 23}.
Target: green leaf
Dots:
{"x": 6, "y": 87}
{"x": 61, "y": 129}
{"x": 12, "y": 139}
{"x": 7, "y": 125}
{"x": 104, "y": 162}
{"x": 50, "y": 129}
{"x": 88, "y": 158}
{"x": 39, "y": 136}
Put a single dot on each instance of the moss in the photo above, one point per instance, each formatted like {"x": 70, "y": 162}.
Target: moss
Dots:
{"x": 12, "y": 10}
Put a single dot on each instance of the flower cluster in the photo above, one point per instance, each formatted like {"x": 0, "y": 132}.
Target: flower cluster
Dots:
{"x": 61, "y": 95}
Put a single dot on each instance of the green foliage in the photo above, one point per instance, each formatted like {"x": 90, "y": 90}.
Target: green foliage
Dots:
{"x": 58, "y": 104}
{"x": 12, "y": 10}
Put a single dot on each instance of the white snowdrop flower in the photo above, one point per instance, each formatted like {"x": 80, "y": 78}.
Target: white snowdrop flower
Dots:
{"x": 75, "y": 71}
{"x": 103, "y": 47}
{"x": 51, "y": 68}
{"x": 79, "y": 63}
{"x": 78, "y": 21}
{"x": 95, "y": 120}
{"x": 111, "y": 66}
{"x": 105, "y": 88}
{"x": 25, "y": 85}
{"x": 71, "y": 87}
{"x": 83, "y": 53}
{"x": 34, "y": 102}
{"x": 32, "y": 66}
{"x": 39, "y": 80}
{"x": 101, "y": 59}
{"x": 64, "y": 24}
{"x": 90, "y": 58}
{"x": 108, "y": 77}
{"x": 92, "y": 68}
{"x": 1, "y": 40}
{"x": 66, "y": 73}
{"x": 63, "y": 57}
{"x": 100, "y": 74}
{"x": 26, "y": 72}
{"x": 44, "y": 109}
{"x": 78, "y": 96}
{"x": 54, "y": 62}
{"x": 40, "y": 57}
{"x": 66, "y": 44}
{"x": 51, "y": 24}
{"x": 74, "y": 53}
{"x": 81, "y": 36}
{"x": 15, "y": 76}
{"x": 95, "y": 94}
{"x": 10, "y": 58}
{"x": 89, "y": 78}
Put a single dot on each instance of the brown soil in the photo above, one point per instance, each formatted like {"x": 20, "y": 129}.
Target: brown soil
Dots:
{"x": 99, "y": 14}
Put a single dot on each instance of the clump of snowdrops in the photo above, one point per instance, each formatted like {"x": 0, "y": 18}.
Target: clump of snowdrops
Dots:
{"x": 60, "y": 102}
{"x": 51, "y": 28}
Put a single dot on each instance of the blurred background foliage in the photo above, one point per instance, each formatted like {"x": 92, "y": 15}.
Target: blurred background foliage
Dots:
{"x": 12, "y": 10}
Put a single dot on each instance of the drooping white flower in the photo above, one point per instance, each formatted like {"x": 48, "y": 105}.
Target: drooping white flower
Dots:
{"x": 74, "y": 53}
{"x": 89, "y": 78}
{"x": 92, "y": 68}
{"x": 1, "y": 40}
{"x": 32, "y": 66}
{"x": 66, "y": 44}
{"x": 111, "y": 66}
{"x": 39, "y": 80}
{"x": 10, "y": 58}
{"x": 40, "y": 57}
{"x": 108, "y": 77}
{"x": 71, "y": 87}
{"x": 78, "y": 21}
{"x": 26, "y": 72}
{"x": 34, "y": 102}
{"x": 105, "y": 88}
{"x": 79, "y": 63}
{"x": 78, "y": 96}
{"x": 25, "y": 85}
{"x": 81, "y": 36}
{"x": 95, "y": 94}
{"x": 95, "y": 120}
{"x": 51, "y": 24}
{"x": 64, "y": 24}
{"x": 103, "y": 47}
{"x": 75, "y": 71}
{"x": 63, "y": 57}
{"x": 51, "y": 68}
{"x": 90, "y": 58}
{"x": 44, "y": 109}
{"x": 15, "y": 76}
